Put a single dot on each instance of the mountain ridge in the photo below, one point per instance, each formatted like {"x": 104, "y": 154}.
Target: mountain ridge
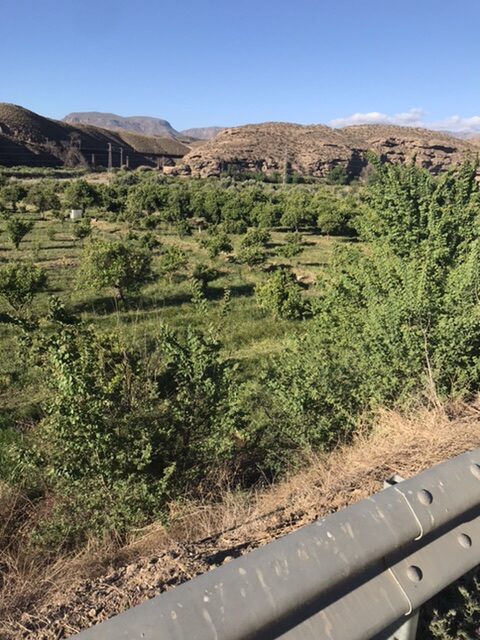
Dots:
{"x": 34, "y": 140}
{"x": 310, "y": 150}
{"x": 145, "y": 125}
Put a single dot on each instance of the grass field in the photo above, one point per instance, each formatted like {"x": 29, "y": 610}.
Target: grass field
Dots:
{"x": 247, "y": 333}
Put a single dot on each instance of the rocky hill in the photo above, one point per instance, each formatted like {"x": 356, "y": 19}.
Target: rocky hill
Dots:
{"x": 27, "y": 138}
{"x": 144, "y": 125}
{"x": 316, "y": 149}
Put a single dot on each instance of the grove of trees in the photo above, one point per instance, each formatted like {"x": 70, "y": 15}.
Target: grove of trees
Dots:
{"x": 126, "y": 418}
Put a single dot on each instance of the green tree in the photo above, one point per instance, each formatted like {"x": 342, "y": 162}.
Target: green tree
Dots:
{"x": 281, "y": 296}
{"x": 19, "y": 282}
{"x": 203, "y": 274}
{"x": 335, "y": 214}
{"x": 80, "y": 194}
{"x": 126, "y": 431}
{"x": 82, "y": 229}
{"x": 255, "y": 237}
{"x": 123, "y": 266}
{"x": 145, "y": 198}
{"x": 252, "y": 255}
{"x": 337, "y": 175}
{"x": 17, "y": 229}
{"x": 292, "y": 246}
{"x": 183, "y": 228}
{"x": 43, "y": 196}
{"x": 297, "y": 210}
{"x": 266, "y": 214}
{"x": 172, "y": 260}
{"x": 12, "y": 193}
{"x": 216, "y": 242}
{"x": 395, "y": 323}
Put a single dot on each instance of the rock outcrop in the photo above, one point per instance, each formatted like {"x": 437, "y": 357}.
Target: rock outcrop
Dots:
{"x": 316, "y": 149}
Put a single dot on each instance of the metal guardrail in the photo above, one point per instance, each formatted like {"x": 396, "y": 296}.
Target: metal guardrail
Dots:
{"x": 357, "y": 574}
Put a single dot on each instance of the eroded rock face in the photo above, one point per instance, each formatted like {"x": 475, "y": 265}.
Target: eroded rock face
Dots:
{"x": 315, "y": 150}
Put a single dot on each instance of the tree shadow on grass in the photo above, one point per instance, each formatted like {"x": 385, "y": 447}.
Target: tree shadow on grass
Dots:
{"x": 237, "y": 291}
{"x": 101, "y": 306}
{"x": 313, "y": 264}
{"x": 106, "y": 305}
{"x": 58, "y": 246}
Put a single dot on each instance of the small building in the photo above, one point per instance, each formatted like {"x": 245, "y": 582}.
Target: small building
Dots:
{"x": 75, "y": 214}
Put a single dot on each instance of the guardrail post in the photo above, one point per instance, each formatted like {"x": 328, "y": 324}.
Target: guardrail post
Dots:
{"x": 407, "y": 630}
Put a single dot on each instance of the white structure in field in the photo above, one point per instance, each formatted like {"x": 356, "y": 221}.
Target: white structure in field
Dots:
{"x": 75, "y": 214}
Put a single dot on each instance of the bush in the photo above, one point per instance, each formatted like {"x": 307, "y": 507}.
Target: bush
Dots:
{"x": 203, "y": 274}
{"x": 281, "y": 296}
{"x": 396, "y": 323}
{"x": 255, "y": 237}
{"x": 19, "y": 282}
{"x": 43, "y": 196}
{"x": 216, "y": 242}
{"x": 123, "y": 266}
{"x": 125, "y": 432}
{"x": 172, "y": 260}
{"x": 252, "y": 255}
{"x": 80, "y": 194}
{"x": 17, "y": 229}
{"x": 82, "y": 229}
{"x": 337, "y": 175}
{"x": 292, "y": 246}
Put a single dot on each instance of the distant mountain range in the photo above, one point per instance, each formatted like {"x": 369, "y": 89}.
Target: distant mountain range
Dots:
{"x": 27, "y": 138}
{"x": 202, "y": 133}
{"x": 144, "y": 125}
{"x": 138, "y": 124}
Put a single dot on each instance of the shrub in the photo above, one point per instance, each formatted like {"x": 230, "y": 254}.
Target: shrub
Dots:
{"x": 123, "y": 266}
{"x": 17, "y": 229}
{"x": 252, "y": 255}
{"x": 395, "y": 323}
{"x": 337, "y": 175}
{"x": 281, "y": 296}
{"x": 255, "y": 237}
{"x": 43, "y": 196}
{"x": 82, "y": 229}
{"x": 216, "y": 242}
{"x": 172, "y": 260}
{"x": 80, "y": 194}
{"x": 124, "y": 432}
{"x": 203, "y": 274}
{"x": 19, "y": 282}
{"x": 292, "y": 246}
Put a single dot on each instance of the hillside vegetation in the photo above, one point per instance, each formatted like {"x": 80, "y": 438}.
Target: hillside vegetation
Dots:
{"x": 51, "y": 602}
{"x": 189, "y": 337}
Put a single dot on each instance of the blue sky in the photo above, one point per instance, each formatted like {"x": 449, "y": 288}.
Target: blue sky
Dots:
{"x": 206, "y": 62}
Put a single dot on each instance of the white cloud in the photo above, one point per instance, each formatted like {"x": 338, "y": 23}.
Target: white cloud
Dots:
{"x": 459, "y": 124}
{"x": 413, "y": 118}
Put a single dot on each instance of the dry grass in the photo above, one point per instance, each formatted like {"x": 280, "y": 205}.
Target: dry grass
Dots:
{"x": 42, "y": 600}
